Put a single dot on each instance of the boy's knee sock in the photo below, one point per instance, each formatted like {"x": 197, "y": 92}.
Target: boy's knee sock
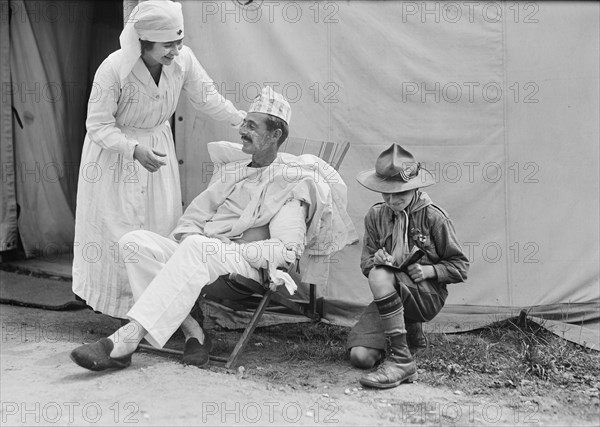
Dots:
{"x": 391, "y": 312}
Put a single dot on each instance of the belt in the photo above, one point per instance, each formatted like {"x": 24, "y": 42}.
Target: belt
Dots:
{"x": 143, "y": 131}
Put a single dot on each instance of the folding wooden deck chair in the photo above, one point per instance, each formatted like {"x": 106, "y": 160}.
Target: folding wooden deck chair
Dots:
{"x": 277, "y": 301}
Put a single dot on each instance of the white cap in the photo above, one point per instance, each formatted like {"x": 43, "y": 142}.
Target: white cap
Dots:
{"x": 273, "y": 103}
{"x": 151, "y": 20}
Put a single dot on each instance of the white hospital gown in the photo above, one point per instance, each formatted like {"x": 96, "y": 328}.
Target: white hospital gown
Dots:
{"x": 115, "y": 193}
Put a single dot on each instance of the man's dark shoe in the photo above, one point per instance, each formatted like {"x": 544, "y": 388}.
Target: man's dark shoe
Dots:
{"x": 96, "y": 356}
{"x": 399, "y": 367}
{"x": 195, "y": 353}
{"x": 416, "y": 338}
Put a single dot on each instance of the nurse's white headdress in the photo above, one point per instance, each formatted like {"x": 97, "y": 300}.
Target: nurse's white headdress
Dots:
{"x": 273, "y": 103}
{"x": 152, "y": 20}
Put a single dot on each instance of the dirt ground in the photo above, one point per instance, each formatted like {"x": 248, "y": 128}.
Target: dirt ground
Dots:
{"x": 41, "y": 386}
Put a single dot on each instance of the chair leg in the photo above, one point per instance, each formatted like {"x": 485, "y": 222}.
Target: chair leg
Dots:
{"x": 245, "y": 338}
{"x": 313, "y": 299}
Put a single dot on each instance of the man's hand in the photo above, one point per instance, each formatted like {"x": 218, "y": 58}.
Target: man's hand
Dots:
{"x": 220, "y": 237}
{"x": 382, "y": 257}
{"x": 418, "y": 272}
{"x": 186, "y": 235}
{"x": 223, "y": 239}
{"x": 149, "y": 158}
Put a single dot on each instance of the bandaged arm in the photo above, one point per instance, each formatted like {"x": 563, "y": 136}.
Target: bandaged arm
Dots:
{"x": 288, "y": 238}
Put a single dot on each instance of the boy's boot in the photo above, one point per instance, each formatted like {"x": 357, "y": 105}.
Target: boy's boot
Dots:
{"x": 399, "y": 366}
{"x": 416, "y": 339}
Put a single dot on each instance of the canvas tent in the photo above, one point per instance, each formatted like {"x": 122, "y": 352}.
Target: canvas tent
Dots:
{"x": 499, "y": 100}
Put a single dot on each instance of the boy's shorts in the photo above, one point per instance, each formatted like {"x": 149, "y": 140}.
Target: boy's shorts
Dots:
{"x": 422, "y": 302}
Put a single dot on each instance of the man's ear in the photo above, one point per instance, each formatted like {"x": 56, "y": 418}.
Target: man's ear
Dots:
{"x": 277, "y": 134}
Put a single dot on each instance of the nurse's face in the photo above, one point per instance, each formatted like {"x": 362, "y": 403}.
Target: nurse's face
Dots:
{"x": 163, "y": 53}
{"x": 398, "y": 201}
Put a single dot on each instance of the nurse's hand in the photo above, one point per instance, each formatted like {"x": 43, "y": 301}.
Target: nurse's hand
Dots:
{"x": 149, "y": 158}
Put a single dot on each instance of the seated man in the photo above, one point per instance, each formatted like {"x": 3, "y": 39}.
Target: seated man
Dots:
{"x": 254, "y": 216}
{"x": 403, "y": 297}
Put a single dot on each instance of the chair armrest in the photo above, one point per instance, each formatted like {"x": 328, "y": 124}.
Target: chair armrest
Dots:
{"x": 252, "y": 285}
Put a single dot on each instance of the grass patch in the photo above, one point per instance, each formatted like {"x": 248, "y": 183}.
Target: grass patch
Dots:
{"x": 308, "y": 341}
{"x": 514, "y": 353}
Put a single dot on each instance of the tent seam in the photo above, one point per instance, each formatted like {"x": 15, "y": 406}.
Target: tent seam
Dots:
{"x": 506, "y": 155}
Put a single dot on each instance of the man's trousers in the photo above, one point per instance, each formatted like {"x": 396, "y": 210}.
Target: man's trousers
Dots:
{"x": 166, "y": 277}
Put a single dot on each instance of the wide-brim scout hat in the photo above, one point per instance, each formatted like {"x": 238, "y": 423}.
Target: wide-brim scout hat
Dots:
{"x": 396, "y": 170}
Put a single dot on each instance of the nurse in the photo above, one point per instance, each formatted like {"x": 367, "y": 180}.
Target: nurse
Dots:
{"x": 129, "y": 177}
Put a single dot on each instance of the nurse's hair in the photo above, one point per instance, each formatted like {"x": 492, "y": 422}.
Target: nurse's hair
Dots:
{"x": 146, "y": 45}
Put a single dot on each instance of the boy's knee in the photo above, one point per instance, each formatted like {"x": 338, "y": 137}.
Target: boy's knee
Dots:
{"x": 381, "y": 281}
{"x": 364, "y": 357}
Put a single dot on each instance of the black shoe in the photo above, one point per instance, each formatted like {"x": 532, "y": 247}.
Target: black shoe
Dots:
{"x": 195, "y": 353}
{"x": 398, "y": 368}
{"x": 96, "y": 356}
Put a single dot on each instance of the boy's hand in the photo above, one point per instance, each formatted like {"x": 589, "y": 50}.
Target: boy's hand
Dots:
{"x": 418, "y": 272}
{"x": 382, "y": 257}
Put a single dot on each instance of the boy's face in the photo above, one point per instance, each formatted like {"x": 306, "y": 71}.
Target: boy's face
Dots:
{"x": 398, "y": 201}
